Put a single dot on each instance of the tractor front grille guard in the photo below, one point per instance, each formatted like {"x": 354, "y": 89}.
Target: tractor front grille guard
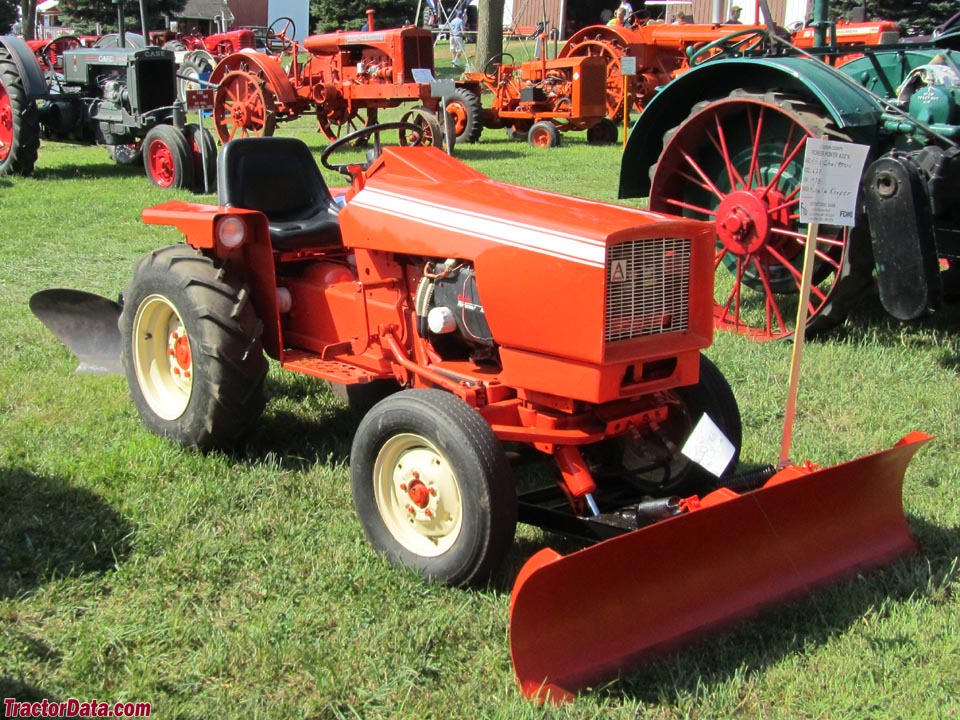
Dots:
{"x": 648, "y": 288}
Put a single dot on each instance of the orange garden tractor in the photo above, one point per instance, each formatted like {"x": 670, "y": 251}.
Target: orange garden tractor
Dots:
{"x": 538, "y": 99}
{"x": 346, "y": 79}
{"x": 491, "y": 321}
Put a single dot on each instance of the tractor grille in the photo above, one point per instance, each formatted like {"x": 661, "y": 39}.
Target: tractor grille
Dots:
{"x": 648, "y": 288}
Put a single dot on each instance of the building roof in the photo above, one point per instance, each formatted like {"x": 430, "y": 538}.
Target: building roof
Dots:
{"x": 204, "y": 9}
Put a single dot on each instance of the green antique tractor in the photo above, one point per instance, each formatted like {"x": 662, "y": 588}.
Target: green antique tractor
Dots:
{"x": 122, "y": 97}
{"x": 724, "y": 143}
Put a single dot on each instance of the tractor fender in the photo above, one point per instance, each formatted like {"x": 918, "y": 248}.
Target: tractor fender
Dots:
{"x": 34, "y": 83}
{"x": 264, "y": 66}
{"x": 852, "y": 109}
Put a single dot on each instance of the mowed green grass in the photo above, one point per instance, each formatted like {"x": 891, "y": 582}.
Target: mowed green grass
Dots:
{"x": 241, "y": 586}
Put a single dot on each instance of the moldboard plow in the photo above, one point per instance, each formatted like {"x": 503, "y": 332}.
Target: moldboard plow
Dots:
{"x": 589, "y": 616}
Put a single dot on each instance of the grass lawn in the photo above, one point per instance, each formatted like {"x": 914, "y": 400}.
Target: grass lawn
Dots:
{"x": 241, "y": 586}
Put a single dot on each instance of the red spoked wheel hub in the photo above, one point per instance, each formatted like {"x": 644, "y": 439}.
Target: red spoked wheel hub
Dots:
{"x": 737, "y": 162}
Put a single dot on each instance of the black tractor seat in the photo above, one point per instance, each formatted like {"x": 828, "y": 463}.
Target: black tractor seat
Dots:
{"x": 280, "y": 178}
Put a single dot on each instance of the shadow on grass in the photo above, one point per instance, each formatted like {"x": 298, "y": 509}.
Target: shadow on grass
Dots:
{"x": 51, "y": 529}
{"x": 22, "y": 691}
{"x": 324, "y": 435}
{"x": 793, "y": 627}
{"x": 870, "y": 323}
{"x": 93, "y": 171}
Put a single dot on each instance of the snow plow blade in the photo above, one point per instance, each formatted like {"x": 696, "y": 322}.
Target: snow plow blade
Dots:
{"x": 586, "y": 618}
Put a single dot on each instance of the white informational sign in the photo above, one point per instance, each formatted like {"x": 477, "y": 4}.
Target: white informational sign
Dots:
{"x": 708, "y": 447}
{"x": 831, "y": 181}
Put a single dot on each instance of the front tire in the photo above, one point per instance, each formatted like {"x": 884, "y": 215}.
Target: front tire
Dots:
{"x": 192, "y": 349}
{"x": 432, "y": 487}
{"x": 167, "y": 157}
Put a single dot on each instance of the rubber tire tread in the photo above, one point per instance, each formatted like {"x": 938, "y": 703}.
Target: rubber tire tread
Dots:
{"x": 712, "y": 395}
{"x": 196, "y": 135}
{"x": 361, "y": 397}
{"x": 226, "y": 344}
{"x": 487, "y": 490}
{"x": 22, "y": 157}
{"x": 176, "y": 141}
{"x": 473, "y": 127}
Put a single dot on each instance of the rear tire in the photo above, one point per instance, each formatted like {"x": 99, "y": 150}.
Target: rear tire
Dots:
{"x": 19, "y": 123}
{"x": 167, "y": 158}
{"x": 658, "y": 467}
{"x": 604, "y": 132}
{"x": 192, "y": 349}
{"x": 432, "y": 487}
{"x": 466, "y": 109}
{"x": 361, "y": 397}
{"x": 202, "y": 155}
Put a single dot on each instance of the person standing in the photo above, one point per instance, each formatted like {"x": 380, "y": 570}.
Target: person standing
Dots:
{"x": 456, "y": 27}
{"x": 734, "y": 18}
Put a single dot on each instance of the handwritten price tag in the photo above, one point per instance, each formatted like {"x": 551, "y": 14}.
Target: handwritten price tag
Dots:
{"x": 831, "y": 181}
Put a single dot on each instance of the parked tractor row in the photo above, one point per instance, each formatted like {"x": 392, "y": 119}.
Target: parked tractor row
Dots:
{"x": 123, "y": 98}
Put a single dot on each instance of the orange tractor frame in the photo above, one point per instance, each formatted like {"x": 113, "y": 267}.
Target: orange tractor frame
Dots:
{"x": 495, "y": 322}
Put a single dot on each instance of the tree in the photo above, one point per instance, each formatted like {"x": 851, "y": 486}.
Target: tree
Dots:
{"x": 8, "y": 15}
{"x": 333, "y": 15}
{"x": 83, "y": 15}
{"x": 28, "y": 11}
{"x": 914, "y": 18}
{"x": 489, "y": 31}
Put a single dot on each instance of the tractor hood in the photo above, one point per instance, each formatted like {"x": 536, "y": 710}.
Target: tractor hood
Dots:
{"x": 557, "y": 275}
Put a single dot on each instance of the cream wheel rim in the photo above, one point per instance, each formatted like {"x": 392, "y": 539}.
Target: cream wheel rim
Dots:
{"x": 418, "y": 495}
{"x": 162, "y": 357}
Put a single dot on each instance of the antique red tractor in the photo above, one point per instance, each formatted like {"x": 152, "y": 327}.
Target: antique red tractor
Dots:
{"x": 538, "y": 99}
{"x": 346, "y": 79}
{"x": 662, "y": 52}
{"x": 488, "y": 317}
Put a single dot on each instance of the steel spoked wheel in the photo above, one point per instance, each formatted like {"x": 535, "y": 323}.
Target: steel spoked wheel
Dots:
{"x": 191, "y": 349}
{"x": 243, "y": 107}
{"x": 429, "y": 131}
{"x": 432, "y": 486}
{"x": 611, "y": 53}
{"x": 167, "y": 157}
{"x": 19, "y": 122}
{"x": 737, "y": 162}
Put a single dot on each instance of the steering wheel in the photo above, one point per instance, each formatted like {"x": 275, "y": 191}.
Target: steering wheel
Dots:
{"x": 490, "y": 69}
{"x": 415, "y": 136}
{"x": 51, "y": 51}
{"x": 287, "y": 30}
{"x": 750, "y": 39}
